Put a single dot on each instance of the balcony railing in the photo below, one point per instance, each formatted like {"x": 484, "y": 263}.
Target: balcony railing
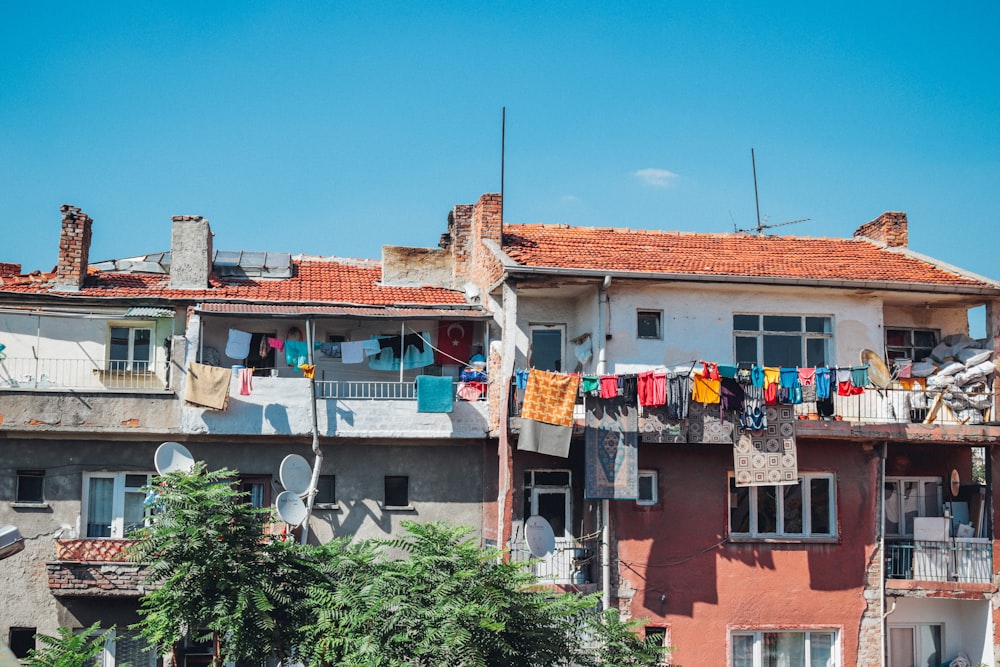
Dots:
{"x": 574, "y": 561}
{"x": 80, "y": 374}
{"x": 373, "y": 391}
{"x": 962, "y": 559}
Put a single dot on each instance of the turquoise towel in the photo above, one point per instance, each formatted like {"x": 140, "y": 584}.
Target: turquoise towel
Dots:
{"x": 434, "y": 394}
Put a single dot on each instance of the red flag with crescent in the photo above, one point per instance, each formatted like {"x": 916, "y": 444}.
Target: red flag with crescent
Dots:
{"x": 454, "y": 343}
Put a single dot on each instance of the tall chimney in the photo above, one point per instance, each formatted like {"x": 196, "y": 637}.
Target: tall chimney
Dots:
{"x": 74, "y": 249}
{"x": 890, "y": 228}
{"x": 190, "y": 252}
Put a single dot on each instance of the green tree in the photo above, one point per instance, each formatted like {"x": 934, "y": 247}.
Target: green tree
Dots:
{"x": 216, "y": 575}
{"x": 68, "y": 649}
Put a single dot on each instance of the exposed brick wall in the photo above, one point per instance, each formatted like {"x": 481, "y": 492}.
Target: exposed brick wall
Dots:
{"x": 486, "y": 225}
{"x": 97, "y": 579}
{"x": 7, "y": 270}
{"x": 458, "y": 240}
{"x": 890, "y": 228}
{"x": 74, "y": 248}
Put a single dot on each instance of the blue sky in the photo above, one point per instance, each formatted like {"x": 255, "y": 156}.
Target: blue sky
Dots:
{"x": 331, "y": 128}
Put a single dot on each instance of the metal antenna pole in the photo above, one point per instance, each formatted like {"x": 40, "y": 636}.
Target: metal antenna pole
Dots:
{"x": 503, "y": 149}
{"x": 756, "y": 200}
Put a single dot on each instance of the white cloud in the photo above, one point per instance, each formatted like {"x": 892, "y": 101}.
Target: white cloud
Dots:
{"x": 655, "y": 178}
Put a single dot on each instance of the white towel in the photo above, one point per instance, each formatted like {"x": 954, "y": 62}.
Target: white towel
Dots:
{"x": 352, "y": 352}
{"x": 238, "y": 345}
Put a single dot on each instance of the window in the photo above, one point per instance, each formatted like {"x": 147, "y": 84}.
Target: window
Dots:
{"x": 30, "y": 486}
{"x": 658, "y": 636}
{"x": 125, "y": 647}
{"x": 914, "y": 344}
{"x": 261, "y": 363}
{"x": 20, "y": 641}
{"x": 326, "y": 491}
{"x": 915, "y": 644}
{"x": 783, "y": 340}
{"x": 114, "y": 503}
{"x": 130, "y": 347}
{"x": 801, "y": 648}
{"x": 907, "y": 498}
{"x": 258, "y": 494}
{"x": 397, "y": 491}
{"x": 548, "y": 493}
{"x": 648, "y": 492}
{"x": 648, "y": 324}
{"x": 547, "y": 347}
{"x": 803, "y": 510}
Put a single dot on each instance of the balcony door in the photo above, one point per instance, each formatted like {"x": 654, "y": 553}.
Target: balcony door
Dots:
{"x": 549, "y": 494}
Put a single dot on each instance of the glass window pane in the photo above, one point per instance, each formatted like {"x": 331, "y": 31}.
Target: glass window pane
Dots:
{"x": 782, "y": 323}
{"x": 546, "y": 349}
{"x": 746, "y": 322}
{"x": 648, "y": 324}
{"x": 119, "y": 344}
{"x": 819, "y": 325}
{"x": 929, "y": 644}
{"x": 820, "y": 649}
{"x": 141, "y": 348}
{"x": 816, "y": 352}
{"x": 783, "y": 351}
{"x": 783, "y": 649}
{"x": 397, "y": 492}
{"x": 646, "y": 488}
{"x": 551, "y": 478}
{"x": 891, "y": 500}
{"x": 739, "y": 508}
{"x": 767, "y": 509}
{"x": 136, "y": 481}
{"x": 99, "y": 506}
{"x": 29, "y": 486}
{"x": 895, "y": 337}
{"x": 819, "y": 505}
{"x": 743, "y": 651}
{"x": 924, "y": 339}
{"x": 135, "y": 511}
{"x": 901, "y": 652}
{"x": 793, "y": 509}
{"x": 746, "y": 350}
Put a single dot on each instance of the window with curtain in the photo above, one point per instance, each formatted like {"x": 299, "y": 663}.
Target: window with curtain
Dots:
{"x": 114, "y": 503}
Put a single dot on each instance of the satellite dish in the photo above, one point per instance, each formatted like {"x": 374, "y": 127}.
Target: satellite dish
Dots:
{"x": 538, "y": 533}
{"x": 290, "y": 508}
{"x": 956, "y": 483}
{"x": 878, "y": 372}
{"x": 172, "y": 457}
{"x": 11, "y": 541}
{"x": 295, "y": 474}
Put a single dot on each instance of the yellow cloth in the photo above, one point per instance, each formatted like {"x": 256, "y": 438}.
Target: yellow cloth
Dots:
{"x": 207, "y": 386}
{"x": 549, "y": 397}
{"x": 771, "y": 375}
{"x": 909, "y": 383}
{"x": 704, "y": 390}
{"x": 308, "y": 370}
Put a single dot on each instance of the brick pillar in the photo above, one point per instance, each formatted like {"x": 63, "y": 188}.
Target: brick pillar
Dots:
{"x": 458, "y": 240}
{"x": 890, "y": 228}
{"x": 74, "y": 249}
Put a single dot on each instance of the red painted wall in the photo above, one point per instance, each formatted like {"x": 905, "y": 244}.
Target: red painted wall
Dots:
{"x": 688, "y": 576}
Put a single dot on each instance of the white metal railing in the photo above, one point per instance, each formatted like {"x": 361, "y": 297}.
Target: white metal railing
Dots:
{"x": 931, "y": 405}
{"x": 573, "y": 561}
{"x": 80, "y": 374}
{"x": 374, "y": 391}
{"x": 960, "y": 559}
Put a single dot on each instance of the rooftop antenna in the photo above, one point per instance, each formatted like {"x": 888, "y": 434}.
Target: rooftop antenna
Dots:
{"x": 761, "y": 226}
{"x": 503, "y": 148}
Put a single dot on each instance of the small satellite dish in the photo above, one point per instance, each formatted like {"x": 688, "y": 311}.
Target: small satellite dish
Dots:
{"x": 878, "y": 372}
{"x": 295, "y": 474}
{"x": 172, "y": 457}
{"x": 538, "y": 533}
{"x": 290, "y": 508}
{"x": 11, "y": 541}
{"x": 956, "y": 483}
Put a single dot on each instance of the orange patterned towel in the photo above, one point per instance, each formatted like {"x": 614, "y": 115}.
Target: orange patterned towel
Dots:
{"x": 549, "y": 397}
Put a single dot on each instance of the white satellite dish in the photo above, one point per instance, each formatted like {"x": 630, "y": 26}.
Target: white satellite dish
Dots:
{"x": 172, "y": 457}
{"x": 539, "y": 536}
{"x": 295, "y": 474}
{"x": 290, "y": 507}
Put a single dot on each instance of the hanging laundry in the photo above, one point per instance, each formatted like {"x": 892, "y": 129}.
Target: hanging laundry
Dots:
{"x": 753, "y": 415}
{"x": 807, "y": 376}
{"x": 434, "y": 394}
{"x": 710, "y": 370}
{"x": 246, "y": 381}
{"x": 308, "y": 370}
{"x": 822, "y": 383}
{"x": 609, "y": 386}
{"x": 331, "y": 350}
{"x": 238, "y": 345}
{"x": 771, "y": 375}
{"x": 728, "y": 371}
{"x": 757, "y": 375}
{"x": 611, "y": 457}
{"x": 859, "y": 376}
{"x": 470, "y": 391}
{"x": 547, "y": 413}
{"x": 678, "y": 395}
{"x": 708, "y": 424}
{"x": 296, "y": 353}
{"x": 521, "y": 378}
{"x": 276, "y": 344}
{"x": 590, "y": 384}
{"x": 207, "y": 386}
{"x": 845, "y": 387}
{"x": 771, "y": 393}
{"x": 352, "y": 352}
{"x": 791, "y": 389}
{"x": 652, "y": 388}
{"x": 629, "y": 387}
{"x": 657, "y": 426}
{"x": 731, "y": 394}
{"x": 705, "y": 390}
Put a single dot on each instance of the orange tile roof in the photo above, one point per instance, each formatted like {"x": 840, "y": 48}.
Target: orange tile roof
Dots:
{"x": 313, "y": 281}
{"x": 784, "y": 257}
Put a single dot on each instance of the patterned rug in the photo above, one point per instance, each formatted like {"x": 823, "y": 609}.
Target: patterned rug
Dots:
{"x": 611, "y": 446}
{"x": 705, "y": 424}
{"x": 768, "y": 457}
{"x": 656, "y": 426}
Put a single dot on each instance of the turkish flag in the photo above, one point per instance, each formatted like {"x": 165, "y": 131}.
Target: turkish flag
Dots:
{"x": 454, "y": 343}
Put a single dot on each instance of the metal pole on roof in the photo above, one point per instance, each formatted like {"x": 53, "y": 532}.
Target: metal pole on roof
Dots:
{"x": 317, "y": 452}
{"x": 753, "y": 161}
{"x": 503, "y": 149}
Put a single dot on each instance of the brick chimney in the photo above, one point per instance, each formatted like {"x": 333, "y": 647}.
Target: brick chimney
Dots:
{"x": 8, "y": 270}
{"x": 190, "y": 252}
{"x": 890, "y": 228}
{"x": 74, "y": 249}
{"x": 468, "y": 226}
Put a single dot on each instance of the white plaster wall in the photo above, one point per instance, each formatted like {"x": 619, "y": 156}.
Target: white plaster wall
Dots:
{"x": 576, "y": 309}
{"x": 968, "y": 624}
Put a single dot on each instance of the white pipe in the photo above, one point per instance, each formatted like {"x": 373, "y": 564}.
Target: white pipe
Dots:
{"x": 602, "y": 339}
{"x": 881, "y": 540}
{"x": 317, "y": 452}
{"x": 606, "y": 555}
{"x": 402, "y": 334}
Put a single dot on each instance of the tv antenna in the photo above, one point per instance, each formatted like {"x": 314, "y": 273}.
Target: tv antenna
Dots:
{"x": 762, "y": 225}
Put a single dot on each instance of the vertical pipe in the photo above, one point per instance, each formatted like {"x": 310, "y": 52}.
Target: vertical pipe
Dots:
{"x": 606, "y": 555}
{"x": 402, "y": 333}
{"x": 317, "y": 452}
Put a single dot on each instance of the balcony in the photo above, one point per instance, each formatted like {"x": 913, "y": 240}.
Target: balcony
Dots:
{"x": 964, "y": 560}
{"x": 86, "y": 375}
{"x": 573, "y": 562}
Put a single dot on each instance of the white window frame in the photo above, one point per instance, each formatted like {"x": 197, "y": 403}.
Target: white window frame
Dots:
{"x": 915, "y": 627}
{"x": 908, "y": 350}
{"x": 804, "y": 335}
{"x": 758, "y": 652}
{"x": 131, "y": 363}
{"x": 898, "y": 480}
{"x": 107, "y": 657}
{"x": 561, "y": 330}
{"x": 654, "y": 482}
{"x": 117, "y": 503}
{"x": 649, "y": 312}
{"x": 807, "y": 533}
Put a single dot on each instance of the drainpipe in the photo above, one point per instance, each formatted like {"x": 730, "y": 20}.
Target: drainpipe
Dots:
{"x": 602, "y": 295}
{"x": 880, "y": 527}
{"x": 317, "y": 452}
